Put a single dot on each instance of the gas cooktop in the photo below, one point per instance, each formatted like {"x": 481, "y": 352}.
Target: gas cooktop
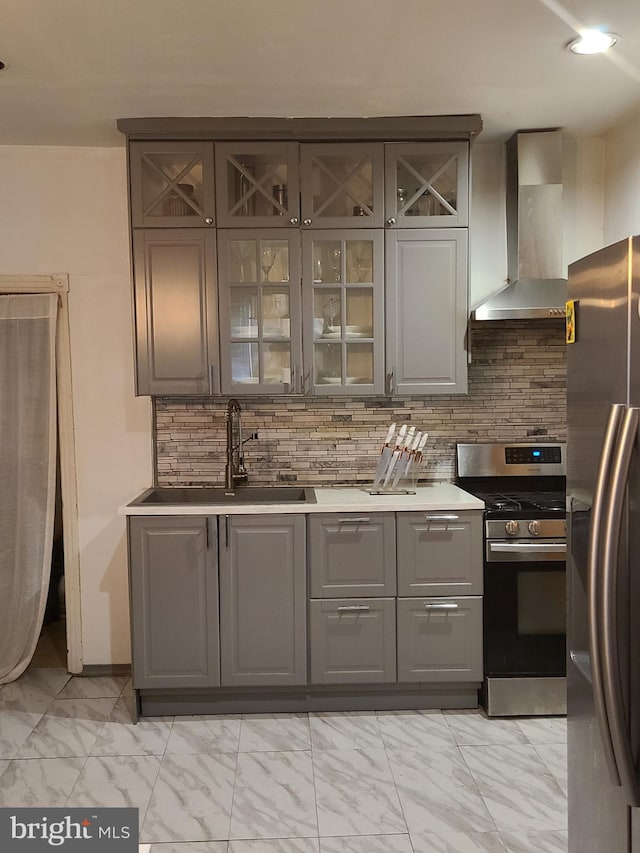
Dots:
{"x": 538, "y": 504}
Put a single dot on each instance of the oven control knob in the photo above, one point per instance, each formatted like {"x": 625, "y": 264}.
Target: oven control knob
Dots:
{"x": 512, "y": 528}
{"x": 534, "y": 528}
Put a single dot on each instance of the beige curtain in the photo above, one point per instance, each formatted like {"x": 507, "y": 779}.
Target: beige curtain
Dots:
{"x": 27, "y": 472}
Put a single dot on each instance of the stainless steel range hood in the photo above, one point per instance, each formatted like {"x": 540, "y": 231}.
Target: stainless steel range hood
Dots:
{"x": 537, "y": 285}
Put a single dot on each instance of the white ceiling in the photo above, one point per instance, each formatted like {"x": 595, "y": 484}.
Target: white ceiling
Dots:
{"x": 74, "y": 66}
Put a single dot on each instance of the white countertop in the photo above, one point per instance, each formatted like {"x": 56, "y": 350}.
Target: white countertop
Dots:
{"x": 430, "y": 498}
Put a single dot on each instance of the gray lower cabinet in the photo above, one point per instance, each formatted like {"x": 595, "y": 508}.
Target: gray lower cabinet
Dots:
{"x": 440, "y": 639}
{"x": 440, "y": 553}
{"x": 352, "y": 640}
{"x": 174, "y": 601}
{"x": 352, "y": 554}
{"x": 263, "y": 600}
{"x": 176, "y": 311}
{"x": 223, "y": 602}
{"x": 426, "y": 311}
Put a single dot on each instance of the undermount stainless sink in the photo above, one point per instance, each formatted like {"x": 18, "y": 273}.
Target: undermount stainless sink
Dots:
{"x": 220, "y": 495}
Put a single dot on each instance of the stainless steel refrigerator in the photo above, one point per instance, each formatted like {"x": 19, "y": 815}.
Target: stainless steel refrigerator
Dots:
{"x": 603, "y": 568}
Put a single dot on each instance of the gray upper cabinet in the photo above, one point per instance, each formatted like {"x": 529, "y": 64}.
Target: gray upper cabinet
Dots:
{"x": 426, "y": 318}
{"x": 342, "y": 185}
{"x": 174, "y": 602}
{"x": 440, "y": 639}
{"x": 367, "y": 293}
{"x": 260, "y": 312}
{"x": 439, "y": 553}
{"x": 343, "y": 297}
{"x": 352, "y": 554}
{"x": 427, "y": 185}
{"x": 176, "y": 311}
{"x": 172, "y": 184}
{"x": 263, "y": 600}
{"x": 257, "y": 184}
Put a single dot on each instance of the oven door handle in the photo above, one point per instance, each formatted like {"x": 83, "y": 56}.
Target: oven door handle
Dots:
{"x": 559, "y": 548}
{"x": 613, "y": 695}
{"x": 597, "y": 534}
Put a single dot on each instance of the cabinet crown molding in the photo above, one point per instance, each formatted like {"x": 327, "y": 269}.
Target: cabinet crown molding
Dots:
{"x": 390, "y": 128}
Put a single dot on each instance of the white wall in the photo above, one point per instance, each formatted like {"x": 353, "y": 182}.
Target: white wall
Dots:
{"x": 488, "y": 235}
{"x": 64, "y": 210}
{"x": 589, "y": 198}
{"x": 622, "y": 182}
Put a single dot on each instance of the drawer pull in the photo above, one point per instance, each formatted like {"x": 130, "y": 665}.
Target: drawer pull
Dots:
{"x": 441, "y": 517}
{"x": 362, "y": 520}
{"x": 354, "y": 608}
{"x": 445, "y": 605}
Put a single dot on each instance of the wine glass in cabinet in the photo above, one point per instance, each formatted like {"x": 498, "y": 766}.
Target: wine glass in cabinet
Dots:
{"x": 343, "y": 311}
{"x": 260, "y": 312}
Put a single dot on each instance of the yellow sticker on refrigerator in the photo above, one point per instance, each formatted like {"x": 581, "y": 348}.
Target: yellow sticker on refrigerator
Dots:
{"x": 570, "y": 321}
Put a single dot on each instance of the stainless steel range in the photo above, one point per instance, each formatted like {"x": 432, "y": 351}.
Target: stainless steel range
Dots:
{"x": 523, "y": 487}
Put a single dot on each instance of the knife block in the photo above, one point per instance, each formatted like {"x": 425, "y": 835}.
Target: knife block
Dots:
{"x": 406, "y": 485}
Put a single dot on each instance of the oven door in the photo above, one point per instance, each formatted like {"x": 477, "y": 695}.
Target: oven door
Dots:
{"x": 525, "y": 608}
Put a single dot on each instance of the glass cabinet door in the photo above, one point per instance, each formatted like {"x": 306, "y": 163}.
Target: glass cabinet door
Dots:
{"x": 343, "y": 305}
{"x": 257, "y": 184}
{"x": 259, "y": 312}
{"x": 427, "y": 184}
{"x": 342, "y": 185}
{"x": 171, "y": 184}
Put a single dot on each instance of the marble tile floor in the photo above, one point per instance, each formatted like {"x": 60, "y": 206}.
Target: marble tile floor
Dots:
{"x": 365, "y": 782}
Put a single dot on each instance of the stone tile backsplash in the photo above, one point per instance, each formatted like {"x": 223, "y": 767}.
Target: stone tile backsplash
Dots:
{"x": 517, "y": 392}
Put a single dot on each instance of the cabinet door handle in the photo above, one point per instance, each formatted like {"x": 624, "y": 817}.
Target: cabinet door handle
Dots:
{"x": 353, "y": 608}
{"x": 444, "y": 605}
{"x": 363, "y": 520}
{"x": 391, "y": 221}
{"x": 390, "y": 378}
{"x": 441, "y": 517}
{"x": 213, "y": 379}
{"x": 306, "y": 221}
{"x": 294, "y": 220}
{"x": 208, "y": 220}
{"x": 297, "y": 381}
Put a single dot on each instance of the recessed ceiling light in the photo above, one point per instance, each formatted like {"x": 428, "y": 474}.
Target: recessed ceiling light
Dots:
{"x": 592, "y": 41}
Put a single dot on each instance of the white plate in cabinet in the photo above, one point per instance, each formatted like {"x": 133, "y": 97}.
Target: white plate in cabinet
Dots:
{"x": 439, "y": 553}
{"x": 440, "y": 639}
{"x": 352, "y": 554}
{"x": 352, "y": 640}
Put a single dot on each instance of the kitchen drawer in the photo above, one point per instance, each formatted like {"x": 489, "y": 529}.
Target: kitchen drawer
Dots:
{"x": 439, "y": 553}
{"x": 352, "y": 640}
{"x": 440, "y": 639}
{"x": 352, "y": 554}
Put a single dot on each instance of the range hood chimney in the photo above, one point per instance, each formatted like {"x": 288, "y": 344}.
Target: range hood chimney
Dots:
{"x": 537, "y": 284}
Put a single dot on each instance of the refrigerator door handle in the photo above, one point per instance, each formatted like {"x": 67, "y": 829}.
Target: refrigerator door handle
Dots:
{"x": 594, "y": 586}
{"x": 619, "y": 727}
